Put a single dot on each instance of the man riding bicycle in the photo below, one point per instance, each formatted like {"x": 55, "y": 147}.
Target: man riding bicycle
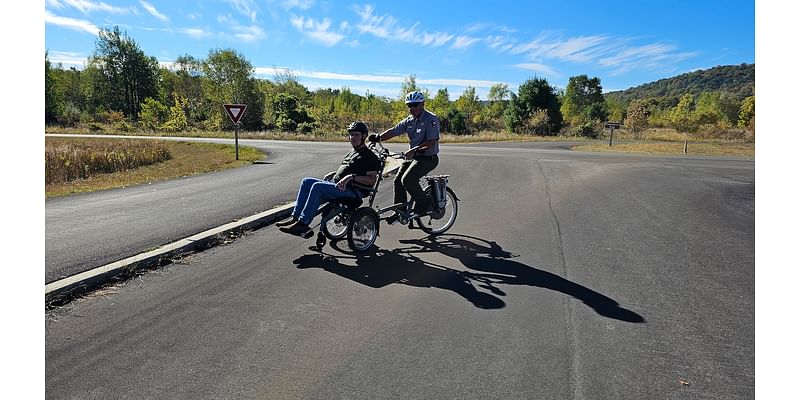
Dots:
{"x": 422, "y": 128}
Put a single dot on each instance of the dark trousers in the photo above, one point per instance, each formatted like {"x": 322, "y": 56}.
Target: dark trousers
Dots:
{"x": 408, "y": 177}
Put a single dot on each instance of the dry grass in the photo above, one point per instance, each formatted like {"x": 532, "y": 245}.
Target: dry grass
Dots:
{"x": 186, "y": 159}
{"x": 720, "y": 149}
{"x": 484, "y": 136}
{"x": 69, "y": 160}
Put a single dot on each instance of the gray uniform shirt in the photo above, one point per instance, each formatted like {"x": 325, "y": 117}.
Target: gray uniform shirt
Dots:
{"x": 420, "y": 130}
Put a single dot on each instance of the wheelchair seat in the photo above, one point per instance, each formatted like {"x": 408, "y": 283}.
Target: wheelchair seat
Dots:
{"x": 350, "y": 202}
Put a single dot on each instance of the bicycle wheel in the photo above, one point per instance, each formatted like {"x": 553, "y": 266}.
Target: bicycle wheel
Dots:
{"x": 439, "y": 221}
{"x": 335, "y": 226}
{"x": 362, "y": 231}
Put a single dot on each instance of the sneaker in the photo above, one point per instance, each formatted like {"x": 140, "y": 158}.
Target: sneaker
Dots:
{"x": 423, "y": 207}
{"x": 297, "y": 229}
{"x": 392, "y": 219}
{"x": 287, "y": 222}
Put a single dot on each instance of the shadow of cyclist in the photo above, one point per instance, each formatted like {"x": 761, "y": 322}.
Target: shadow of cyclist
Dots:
{"x": 402, "y": 266}
{"x": 384, "y": 268}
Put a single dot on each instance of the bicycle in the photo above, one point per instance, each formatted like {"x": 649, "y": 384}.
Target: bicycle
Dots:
{"x": 360, "y": 224}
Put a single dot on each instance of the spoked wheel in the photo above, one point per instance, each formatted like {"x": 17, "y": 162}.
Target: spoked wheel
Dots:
{"x": 362, "y": 231}
{"x": 440, "y": 220}
{"x": 335, "y": 226}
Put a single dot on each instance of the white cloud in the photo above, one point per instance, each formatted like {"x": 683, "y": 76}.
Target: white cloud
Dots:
{"x": 651, "y": 56}
{"x": 393, "y": 79}
{"x": 152, "y": 10}
{"x": 247, "y": 8}
{"x": 606, "y": 51}
{"x": 463, "y": 42}
{"x": 86, "y": 6}
{"x": 387, "y": 27}
{"x": 500, "y": 43}
{"x": 245, "y": 33}
{"x": 318, "y": 31}
{"x": 541, "y": 68}
{"x": 196, "y": 33}
{"x": 301, "y": 4}
{"x": 71, "y": 23}
{"x": 67, "y": 59}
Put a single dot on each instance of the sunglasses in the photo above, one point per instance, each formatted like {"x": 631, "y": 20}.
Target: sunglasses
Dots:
{"x": 413, "y": 105}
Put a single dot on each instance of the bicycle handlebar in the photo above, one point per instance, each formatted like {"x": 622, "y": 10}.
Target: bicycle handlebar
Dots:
{"x": 384, "y": 152}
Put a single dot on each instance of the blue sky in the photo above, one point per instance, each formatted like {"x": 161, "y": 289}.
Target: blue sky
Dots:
{"x": 375, "y": 45}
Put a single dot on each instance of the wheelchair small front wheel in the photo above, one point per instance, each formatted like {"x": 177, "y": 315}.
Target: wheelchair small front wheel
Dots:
{"x": 335, "y": 223}
{"x": 362, "y": 230}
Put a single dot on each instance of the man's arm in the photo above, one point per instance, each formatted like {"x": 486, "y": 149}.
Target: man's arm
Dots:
{"x": 366, "y": 180}
{"x": 424, "y": 145}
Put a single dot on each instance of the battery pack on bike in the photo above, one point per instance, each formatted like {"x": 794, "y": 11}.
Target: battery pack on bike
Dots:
{"x": 438, "y": 184}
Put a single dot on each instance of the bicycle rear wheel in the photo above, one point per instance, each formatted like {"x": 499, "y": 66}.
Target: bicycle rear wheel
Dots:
{"x": 439, "y": 221}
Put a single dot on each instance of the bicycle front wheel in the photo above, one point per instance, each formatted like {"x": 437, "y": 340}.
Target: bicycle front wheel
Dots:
{"x": 439, "y": 221}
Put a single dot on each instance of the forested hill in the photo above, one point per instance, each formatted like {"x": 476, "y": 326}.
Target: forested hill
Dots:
{"x": 736, "y": 80}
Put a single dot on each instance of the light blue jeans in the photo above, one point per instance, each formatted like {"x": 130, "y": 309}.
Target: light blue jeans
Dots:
{"x": 312, "y": 193}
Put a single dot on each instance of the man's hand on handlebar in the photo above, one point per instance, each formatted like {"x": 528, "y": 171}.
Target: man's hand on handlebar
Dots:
{"x": 374, "y": 138}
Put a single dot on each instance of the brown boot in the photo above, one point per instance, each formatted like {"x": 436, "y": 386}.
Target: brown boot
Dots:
{"x": 286, "y": 222}
{"x": 297, "y": 229}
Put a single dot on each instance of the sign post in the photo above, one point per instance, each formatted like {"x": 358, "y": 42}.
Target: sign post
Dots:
{"x": 235, "y": 112}
{"x": 612, "y": 126}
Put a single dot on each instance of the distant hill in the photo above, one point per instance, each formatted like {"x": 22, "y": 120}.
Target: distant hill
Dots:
{"x": 736, "y": 80}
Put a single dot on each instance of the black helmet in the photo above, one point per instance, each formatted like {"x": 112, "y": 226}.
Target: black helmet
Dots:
{"x": 358, "y": 126}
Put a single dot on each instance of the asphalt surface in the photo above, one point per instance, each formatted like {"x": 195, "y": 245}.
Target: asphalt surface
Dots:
{"x": 566, "y": 275}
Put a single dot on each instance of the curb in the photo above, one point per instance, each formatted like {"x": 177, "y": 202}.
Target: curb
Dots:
{"x": 64, "y": 290}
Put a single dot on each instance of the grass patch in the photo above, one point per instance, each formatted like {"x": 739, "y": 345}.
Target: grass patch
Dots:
{"x": 186, "y": 159}
{"x": 720, "y": 149}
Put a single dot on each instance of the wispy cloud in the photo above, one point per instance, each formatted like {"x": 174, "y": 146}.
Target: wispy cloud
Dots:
{"x": 318, "y": 31}
{"x": 196, "y": 33}
{"x": 71, "y": 23}
{"x": 248, "y": 8}
{"x": 387, "y": 27}
{"x": 540, "y": 68}
{"x": 152, "y": 10}
{"x": 245, "y": 33}
{"x": 463, "y": 42}
{"x": 393, "y": 78}
{"x": 500, "y": 43}
{"x": 86, "y": 6}
{"x": 618, "y": 54}
{"x": 66, "y": 58}
{"x": 651, "y": 56}
{"x": 301, "y": 4}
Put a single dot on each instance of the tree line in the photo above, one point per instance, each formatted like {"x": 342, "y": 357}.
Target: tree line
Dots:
{"x": 124, "y": 88}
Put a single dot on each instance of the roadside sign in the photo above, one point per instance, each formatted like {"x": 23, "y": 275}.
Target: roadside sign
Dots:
{"x": 613, "y": 125}
{"x": 235, "y": 111}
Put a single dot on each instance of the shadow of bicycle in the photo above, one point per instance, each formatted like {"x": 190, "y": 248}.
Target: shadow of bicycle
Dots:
{"x": 488, "y": 264}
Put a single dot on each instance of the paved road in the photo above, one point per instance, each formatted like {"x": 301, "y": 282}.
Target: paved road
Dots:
{"x": 567, "y": 275}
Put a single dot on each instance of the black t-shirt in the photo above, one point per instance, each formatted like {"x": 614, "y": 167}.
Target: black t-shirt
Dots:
{"x": 358, "y": 162}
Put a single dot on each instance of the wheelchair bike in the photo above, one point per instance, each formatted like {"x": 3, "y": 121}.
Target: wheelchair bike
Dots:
{"x": 360, "y": 224}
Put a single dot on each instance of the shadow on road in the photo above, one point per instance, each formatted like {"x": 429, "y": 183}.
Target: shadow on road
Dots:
{"x": 489, "y": 266}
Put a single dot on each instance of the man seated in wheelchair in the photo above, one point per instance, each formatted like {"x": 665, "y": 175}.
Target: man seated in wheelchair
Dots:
{"x": 359, "y": 166}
